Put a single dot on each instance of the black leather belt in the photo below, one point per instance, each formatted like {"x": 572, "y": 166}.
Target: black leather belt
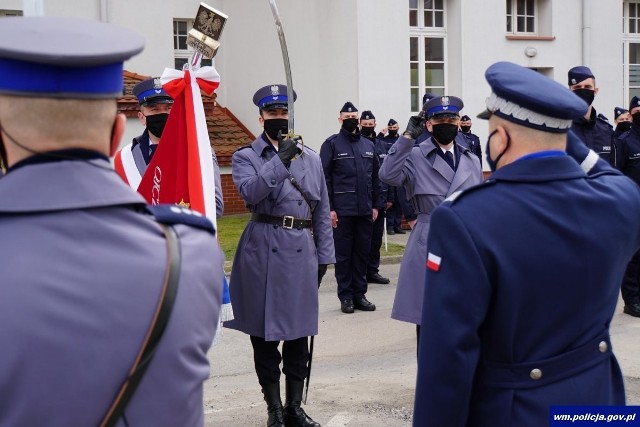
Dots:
{"x": 287, "y": 222}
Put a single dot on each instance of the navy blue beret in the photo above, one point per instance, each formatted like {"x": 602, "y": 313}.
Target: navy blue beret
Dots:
{"x": 465, "y": 118}
{"x": 348, "y": 108}
{"x": 444, "y": 106}
{"x": 635, "y": 102}
{"x": 392, "y": 122}
{"x": 367, "y": 115}
{"x": 528, "y": 98}
{"x": 618, "y": 111}
{"x": 578, "y": 74}
{"x": 64, "y": 58}
{"x": 150, "y": 92}
{"x": 273, "y": 96}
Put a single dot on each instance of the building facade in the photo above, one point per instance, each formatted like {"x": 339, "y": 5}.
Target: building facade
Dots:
{"x": 382, "y": 55}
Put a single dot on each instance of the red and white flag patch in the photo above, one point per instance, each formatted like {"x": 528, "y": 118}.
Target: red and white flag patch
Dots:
{"x": 433, "y": 262}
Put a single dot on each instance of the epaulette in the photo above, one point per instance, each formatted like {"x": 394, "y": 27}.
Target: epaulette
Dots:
{"x": 454, "y": 197}
{"x": 332, "y": 137}
{"x": 306, "y": 147}
{"x": 604, "y": 119}
{"x": 172, "y": 214}
{"x": 242, "y": 148}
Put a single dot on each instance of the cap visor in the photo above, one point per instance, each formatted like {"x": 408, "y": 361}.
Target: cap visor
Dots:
{"x": 445, "y": 116}
{"x": 154, "y": 101}
{"x": 484, "y": 115}
{"x": 276, "y": 107}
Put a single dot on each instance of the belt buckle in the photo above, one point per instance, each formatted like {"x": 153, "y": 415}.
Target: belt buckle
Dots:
{"x": 287, "y": 222}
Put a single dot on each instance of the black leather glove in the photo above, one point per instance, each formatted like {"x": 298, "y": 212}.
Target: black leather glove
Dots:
{"x": 415, "y": 127}
{"x": 322, "y": 270}
{"x": 287, "y": 149}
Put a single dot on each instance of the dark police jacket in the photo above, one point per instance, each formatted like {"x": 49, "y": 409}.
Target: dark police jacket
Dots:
{"x": 596, "y": 133}
{"x": 628, "y": 153}
{"x": 473, "y": 142}
{"x": 519, "y": 298}
{"x": 387, "y": 193}
{"x": 351, "y": 168}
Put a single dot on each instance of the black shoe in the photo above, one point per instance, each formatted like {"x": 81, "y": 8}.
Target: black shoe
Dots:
{"x": 346, "y": 306}
{"x": 632, "y": 309}
{"x": 363, "y": 304}
{"x": 377, "y": 278}
{"x": 391, "y": 232}
{"x": 274, "y": 405}
{"x": 294, "y": 415}
{"x": 399, "y": 231}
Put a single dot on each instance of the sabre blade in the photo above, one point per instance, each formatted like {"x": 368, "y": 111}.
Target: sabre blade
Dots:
{"x": 287, "y": 65}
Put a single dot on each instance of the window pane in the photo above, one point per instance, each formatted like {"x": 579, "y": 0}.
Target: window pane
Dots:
{"x": 520, "y": 26}
{"x": 437, "y": 91}
{"x": 509, "y": 30}
{"x": 413, "y": 4}
{"x": 634, "y": 53}
{"x": 415, "y": 100}
{"x": 428, "y": 4}
{"x": 206, "y": 62}
{"x": 520, "y": 7}
{"x": 179, "y": 62}
{"x": 434, "y": 74}
{"x": 509, "y": 7}
{"x": 433, "y": 49}
{"x": 530, "y": 27}
{"x": 413, "y": 68}
{"x": 413, "y": 18}
{"x": 634, "y": 75}
{"x": 634, "y": 92}
{"x": 632, "y": 10}
{"x": 439, "y": 5}
{"x": 182, "y": 43}
{"x": 428, "y": 19}
{"x": 632, "y": 26}
{"x": 439, "y": 19}
{"x": 182, "y": 27}
{"x": 530, "y": 4}
{"x": 413, "y": 49}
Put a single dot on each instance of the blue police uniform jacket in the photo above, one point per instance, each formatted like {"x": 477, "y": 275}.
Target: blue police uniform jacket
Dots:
{"x": 522, "y": 282}
{"x": 274, "y": 281}
{"x": 351, "y": 172}
{"x": 387, "y": 193}
{"x": 473, "y": 142}
{"x": 596, "y": 133}
{"x": 628, "y": 153}
{"x": 84, "y": 267}
{"x": 142, "y": 156}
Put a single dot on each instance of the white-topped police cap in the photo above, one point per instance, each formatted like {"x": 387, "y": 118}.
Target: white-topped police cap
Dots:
{"x": 526, "y": 97}
{"x": 150, "y": 92}
{"x": 273, "y": 96}
{"x": 443, "y": 106}
{"x": 63, "y": 57}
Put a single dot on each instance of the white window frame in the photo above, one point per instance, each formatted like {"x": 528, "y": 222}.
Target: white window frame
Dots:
{"x": 421, "y": 33}
{"x": 628, "y": 39}
{"x": 514, "y": 18}
{"x": 185, "y": 54}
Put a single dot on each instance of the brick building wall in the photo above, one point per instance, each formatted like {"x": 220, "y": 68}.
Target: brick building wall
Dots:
{"x": 233, "y": 203}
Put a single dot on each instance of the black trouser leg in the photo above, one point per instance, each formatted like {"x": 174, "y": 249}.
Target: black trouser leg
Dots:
{"x": 373, "y": 264}
{"x": 343, "y": 236}
{"x": 266, "y": 359}
{"x": 295, "y": 358}
{"x": 360, "y": 255}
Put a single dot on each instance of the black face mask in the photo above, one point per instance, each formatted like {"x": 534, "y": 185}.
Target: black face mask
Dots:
{"x": 586, "y": 95}
{"x": 444, "y": 133}
{"x": 636, "y": 118}
{"x": 349, "y": 125}
{"x": 156, "y": 123}
{"x": 368, "y": 130}
{"x": 273, "y": 126}
{"x": 393, "y": 133}
{"x": 623, "y": 127}
{"x": 465, "y": 129}
{"x": 493, "y": 164}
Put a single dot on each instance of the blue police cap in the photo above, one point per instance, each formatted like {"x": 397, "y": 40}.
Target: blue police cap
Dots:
{"x": 392, "y": 122}
{"x": 272, "y": 96}
{"x": 64, "y": 58}
{"x": 635, "y": 102}
{"x": 526, "y": 97}
{"x": 367, "y": 115}
{"x": 618, "y": 111}
{"x": 150, "y": 92}
{"x": 444, "y": 106}
{"x": 348, "y": 108}
{"x": 578, "y": 74}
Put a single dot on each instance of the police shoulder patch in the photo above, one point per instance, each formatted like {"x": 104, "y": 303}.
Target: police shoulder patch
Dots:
{"x": 173, "y": 214}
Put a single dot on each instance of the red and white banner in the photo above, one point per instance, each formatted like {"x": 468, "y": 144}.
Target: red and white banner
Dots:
{"x": 181, "y": 170}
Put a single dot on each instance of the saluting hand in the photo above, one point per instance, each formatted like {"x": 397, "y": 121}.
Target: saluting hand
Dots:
{"x": 415, "y": 127}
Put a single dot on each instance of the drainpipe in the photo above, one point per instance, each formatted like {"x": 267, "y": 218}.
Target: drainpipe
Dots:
{"x": 104, "y": 11}
{"x": 32, "y": 8}
{"x": 586, "y": 32}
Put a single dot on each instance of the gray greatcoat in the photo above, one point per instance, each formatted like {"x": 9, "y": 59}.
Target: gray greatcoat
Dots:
{"x": 82, "y": 270}
{"x": 428, "y": 180}
{"x": 274, "y": 283}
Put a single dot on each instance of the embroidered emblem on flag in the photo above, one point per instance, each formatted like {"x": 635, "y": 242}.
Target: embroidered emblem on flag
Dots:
{"x": 433, "y": 262}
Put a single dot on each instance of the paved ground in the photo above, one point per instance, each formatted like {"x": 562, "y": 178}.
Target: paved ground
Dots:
{"x": 364, "y": 366}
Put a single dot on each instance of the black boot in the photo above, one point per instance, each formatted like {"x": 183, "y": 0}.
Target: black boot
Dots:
{"x": 274, "y": 405}
{"x": 294, "y": 415}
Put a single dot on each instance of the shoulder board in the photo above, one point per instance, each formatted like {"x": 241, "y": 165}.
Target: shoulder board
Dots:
{"x": 604, "y": 119}
{"x": 332, "y": 137}
{"x": 307, "y": 148}
{"x": 453, "y": 198}
{"x": 172, "y": 214}
{"x": 242, "y": 148}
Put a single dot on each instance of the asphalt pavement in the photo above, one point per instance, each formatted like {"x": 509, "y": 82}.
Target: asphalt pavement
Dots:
{"x": 364, "y": 364}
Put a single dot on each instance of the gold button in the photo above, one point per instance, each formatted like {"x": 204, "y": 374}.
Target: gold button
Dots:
{"x": 603, "y": 346}
{"x": 535, "y": 374}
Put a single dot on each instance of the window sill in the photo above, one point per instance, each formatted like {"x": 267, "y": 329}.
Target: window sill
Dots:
{"x": 532, "y": 38}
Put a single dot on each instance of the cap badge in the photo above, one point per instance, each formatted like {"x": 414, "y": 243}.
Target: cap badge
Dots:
{"x": 350, "y": 109}
{"x": 275, "y": 90}
{"x": 445, "y": 101}
{"x": 156, "y": 83}
{"x": 573, "y": 81}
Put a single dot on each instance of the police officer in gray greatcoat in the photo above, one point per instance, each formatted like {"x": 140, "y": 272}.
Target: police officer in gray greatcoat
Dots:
{"x": 84, "y": 261}
{"x": 429, "y": 172}
{"x": 492, "y": 352}
{"x": 282, "y": 255}
{"x": 351, "y": 172}
{"x": 155, "y": 106}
